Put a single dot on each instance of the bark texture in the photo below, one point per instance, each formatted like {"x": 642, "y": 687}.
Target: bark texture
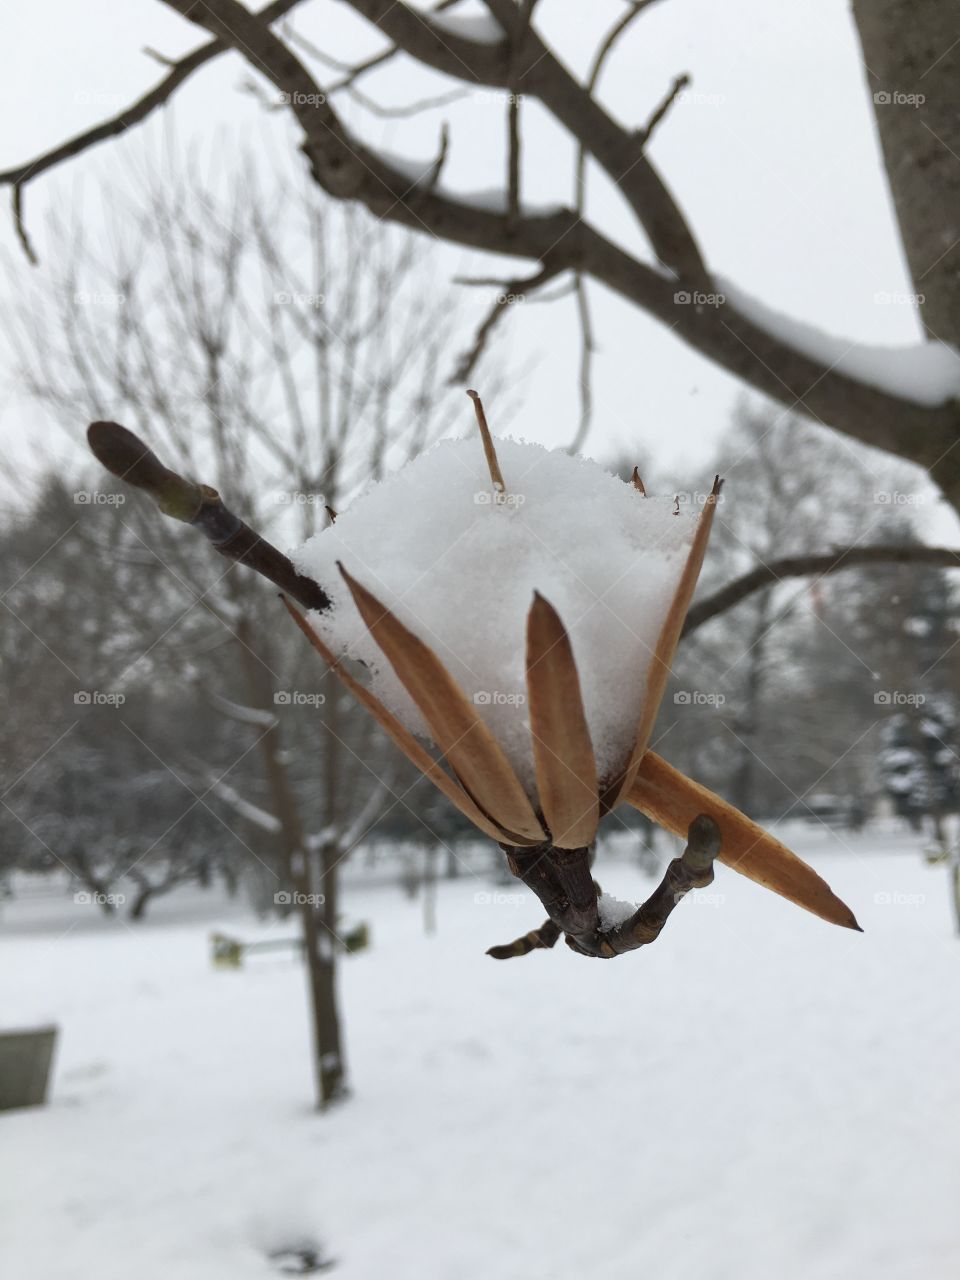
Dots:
{"x": 911, "y": 50}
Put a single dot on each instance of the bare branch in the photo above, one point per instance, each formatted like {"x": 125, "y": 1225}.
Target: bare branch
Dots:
{"x": 540, "y": 74}
{"x": 767, "y": 575}
{"x": 669, "y": 98}
{"x": 509, "y": 291}
{"x": 19, "y": 224}
{"x": 604, "y": 50}
{"x": 353, "y": 73}
{"x": 253, "y": 813}
{"x": 585, "y": 375}
{"x": 537, "y": 939}
{"x": 518, "y": 35}
{"x": 347, "y": 169}
{"x": 124, "y": 120}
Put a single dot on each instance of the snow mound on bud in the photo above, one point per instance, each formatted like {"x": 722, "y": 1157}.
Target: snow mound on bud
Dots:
{"x": 458, "y": 565}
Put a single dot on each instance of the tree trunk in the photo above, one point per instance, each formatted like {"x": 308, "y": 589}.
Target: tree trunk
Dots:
{"x": 912, "y": 57}
{"x": 139, "y": 908}
{"x": 318, "y": 942}
{"x": 430, "y": 889}
{"x": 333, "y": 1072}
{"x": 744, "y": 779}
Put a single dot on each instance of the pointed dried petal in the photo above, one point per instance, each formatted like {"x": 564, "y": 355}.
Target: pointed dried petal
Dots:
{"x": 673, "y": 800}
{"x": 461, "y": 735}
{"x": 562, "y": 751}
{"x": 403, "y": 738}
{"x": 667, "y": 641}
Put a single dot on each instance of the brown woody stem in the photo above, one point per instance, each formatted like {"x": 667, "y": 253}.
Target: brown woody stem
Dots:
{"x": 126, "y": 456}
{"x": 496, "y": 475}
{"x": 562, "y": 880}
{"x": 692, "y": 870}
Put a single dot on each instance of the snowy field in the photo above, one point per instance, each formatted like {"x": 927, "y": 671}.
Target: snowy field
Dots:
{"x": 757, "y": 1096}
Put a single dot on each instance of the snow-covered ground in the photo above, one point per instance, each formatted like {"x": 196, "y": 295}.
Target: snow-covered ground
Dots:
{"x": 758, "y": 1095}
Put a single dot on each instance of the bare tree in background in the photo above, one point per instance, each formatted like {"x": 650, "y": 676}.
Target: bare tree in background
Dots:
{"x": 294, "y": 349}
{"x": 904, "y": 46}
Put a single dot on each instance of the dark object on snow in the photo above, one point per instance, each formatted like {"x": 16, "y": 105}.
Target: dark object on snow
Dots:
{"x": 25, "y": 1058}
{"x": 300, "y": 1260}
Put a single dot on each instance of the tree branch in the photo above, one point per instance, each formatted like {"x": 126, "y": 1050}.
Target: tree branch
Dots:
{"x": 509, "y": 291}
{"x": 767, "y": 575}
{"x": 585, "y": 372}
{"x": 346, "y": 168}
{"x": 606, "y": 47}
{"x": 663, "y": 106}
{"x": 138, "y": 111}
{"x": 538, "y": 72}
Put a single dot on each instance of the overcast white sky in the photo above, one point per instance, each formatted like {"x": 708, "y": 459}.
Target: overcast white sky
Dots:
{"x": 774, "y": 157}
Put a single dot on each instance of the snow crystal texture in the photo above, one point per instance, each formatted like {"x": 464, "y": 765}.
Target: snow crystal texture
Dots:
{"x": 459, "y": 568}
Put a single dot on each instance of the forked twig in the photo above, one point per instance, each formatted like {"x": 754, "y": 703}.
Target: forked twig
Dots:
{"x": 562, "y": 881}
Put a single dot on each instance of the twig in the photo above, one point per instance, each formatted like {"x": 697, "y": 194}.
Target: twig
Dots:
{"x": 585, "y": 375}
{"x": 644, "y": 135}
{"x": 441, "y": 159}
{"x": 496, "y": 475}
{"x": 126, "y": 456}
{"x": 537, "y": 939}
{"x": 603, "y": 52}
{"x": 124, "y": 120}
{"x": 509, "y": 289}
{"x": 19, "y": 224}
{"x": 353, "y": 73}
{"x": 692, "y": 870}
